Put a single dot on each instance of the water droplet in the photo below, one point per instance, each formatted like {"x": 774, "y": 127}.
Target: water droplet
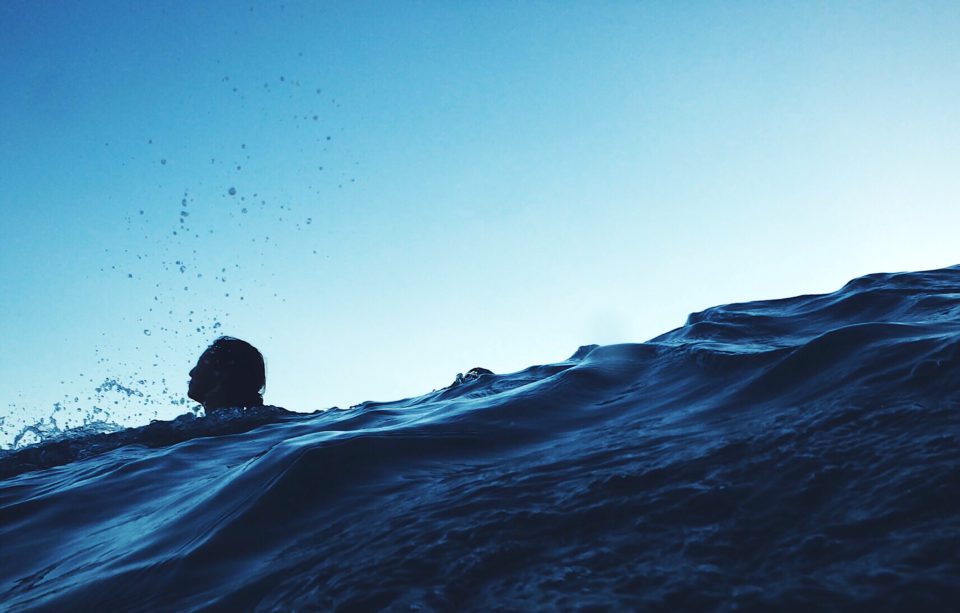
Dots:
{"x": 146, "y": 332}
{"x": 232, "y": 191}
{"x": 164, "y": 161}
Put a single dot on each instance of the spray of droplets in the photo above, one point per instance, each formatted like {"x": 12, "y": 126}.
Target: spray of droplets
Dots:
{"x": 178, "y": 278}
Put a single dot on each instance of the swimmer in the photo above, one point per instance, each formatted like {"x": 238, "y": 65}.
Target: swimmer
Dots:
{"x": 230, "y": 373}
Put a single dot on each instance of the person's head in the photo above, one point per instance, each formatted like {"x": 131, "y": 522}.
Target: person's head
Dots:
{"x": 230, "y": 373}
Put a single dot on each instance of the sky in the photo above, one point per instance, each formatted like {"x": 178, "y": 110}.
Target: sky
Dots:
{"x": 380, "y": 196}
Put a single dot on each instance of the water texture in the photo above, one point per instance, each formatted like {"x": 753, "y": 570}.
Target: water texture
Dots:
{"x": 789, "y": 454}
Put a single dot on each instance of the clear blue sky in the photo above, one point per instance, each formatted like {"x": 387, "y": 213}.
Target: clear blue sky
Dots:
{"x": 431, "y": 186}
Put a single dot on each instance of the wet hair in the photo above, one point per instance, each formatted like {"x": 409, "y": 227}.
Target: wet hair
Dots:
{"x": 244, "y": 372}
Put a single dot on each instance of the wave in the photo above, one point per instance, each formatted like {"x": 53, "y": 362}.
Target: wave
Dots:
{"x": 785, "y": 454}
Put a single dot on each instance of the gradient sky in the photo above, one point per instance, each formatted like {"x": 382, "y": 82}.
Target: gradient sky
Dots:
{"x": 432, "y": 186}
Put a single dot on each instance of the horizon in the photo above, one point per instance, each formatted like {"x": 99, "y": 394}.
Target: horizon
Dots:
{"x": 380, "y": 199}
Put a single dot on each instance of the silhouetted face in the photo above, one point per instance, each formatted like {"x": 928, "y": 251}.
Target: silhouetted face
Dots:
{"x": 230, "y": 373}
{"x": 204, "y": 378}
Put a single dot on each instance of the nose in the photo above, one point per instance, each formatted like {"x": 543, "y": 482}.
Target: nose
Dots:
{"x": 192, "y": 370}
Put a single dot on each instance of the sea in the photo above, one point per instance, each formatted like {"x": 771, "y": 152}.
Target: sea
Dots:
{"x": 799, "y": 454}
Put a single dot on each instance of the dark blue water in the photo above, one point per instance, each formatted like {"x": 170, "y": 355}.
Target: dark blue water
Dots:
{"x": 797, "y": 454}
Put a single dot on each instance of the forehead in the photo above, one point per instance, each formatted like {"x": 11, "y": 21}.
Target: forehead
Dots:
{"x": 208, "y": 356}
